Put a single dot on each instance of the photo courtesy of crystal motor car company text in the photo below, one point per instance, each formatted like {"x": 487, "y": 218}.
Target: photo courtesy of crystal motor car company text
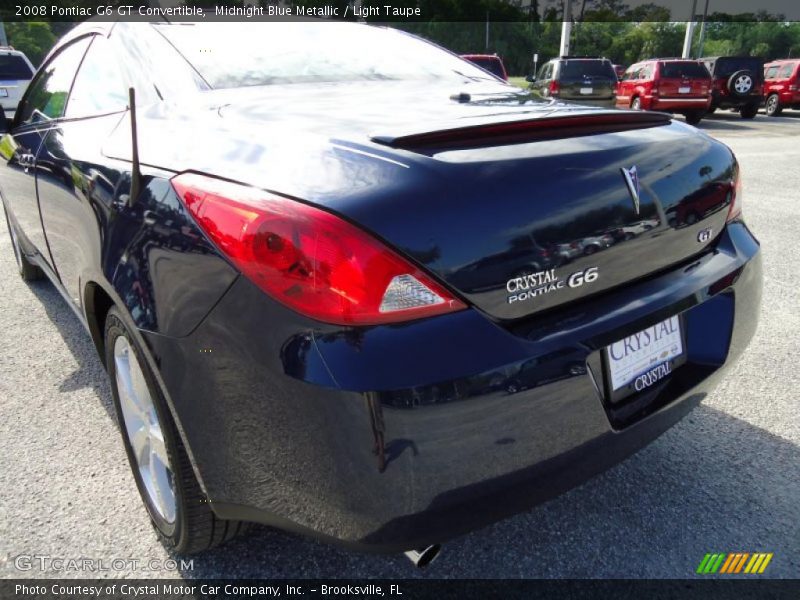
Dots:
{"x": 329, "y": 295}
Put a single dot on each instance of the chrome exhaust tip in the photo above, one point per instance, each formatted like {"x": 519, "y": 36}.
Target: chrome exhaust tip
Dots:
{"x": 422, "y": 558}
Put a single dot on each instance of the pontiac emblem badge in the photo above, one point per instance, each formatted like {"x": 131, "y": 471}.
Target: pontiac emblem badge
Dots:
{"x": 632, "y": 181}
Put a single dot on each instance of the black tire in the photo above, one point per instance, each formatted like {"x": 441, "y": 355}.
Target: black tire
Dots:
{"x": 694, "y": 117}
{"x": 741, "y": 83}
{"x": 636, "y": 103}
{"x": 749, "y": 112}
{"x": 711, "y": 110}
{"x": 195, "y": 528}
{"x": 26, "y": 269}
{"x": 773, "y": 105}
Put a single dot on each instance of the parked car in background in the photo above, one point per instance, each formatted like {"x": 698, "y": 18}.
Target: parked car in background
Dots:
{"x": 489, "y": 62}
{"x": 781, "y": 86}
{"x": 738, "y": 83}
{"x": 669, "y": 85}
{"x": 595, "y": 243}
{"x": 16, "y": 72}
{"x": 577, "y": 79}
{"x": 619, "y": 70}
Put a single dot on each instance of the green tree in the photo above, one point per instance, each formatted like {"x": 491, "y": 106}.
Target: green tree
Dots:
{"x": 34, "y": 38}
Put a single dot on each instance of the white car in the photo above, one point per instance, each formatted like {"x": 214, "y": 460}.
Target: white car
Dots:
{"x": 16, "y": 72}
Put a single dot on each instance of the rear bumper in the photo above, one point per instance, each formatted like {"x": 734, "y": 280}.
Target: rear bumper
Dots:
{"x": 680, "y": 104}
{"x": 726, "y": 101}
{"x": 391, "y": 438}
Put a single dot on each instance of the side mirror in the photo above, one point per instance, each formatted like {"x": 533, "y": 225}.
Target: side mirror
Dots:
{"x": 530, "y": 78}
{"x": 5, "y": 124}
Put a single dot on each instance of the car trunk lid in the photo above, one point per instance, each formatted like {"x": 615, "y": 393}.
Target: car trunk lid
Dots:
{"x": 520, "y": 226}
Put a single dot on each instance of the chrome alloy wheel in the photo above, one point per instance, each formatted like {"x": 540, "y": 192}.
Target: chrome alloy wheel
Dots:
{"x": 772, "y": 104}
{"x": 743, "y": 84}
{"x": 144, "y": 431}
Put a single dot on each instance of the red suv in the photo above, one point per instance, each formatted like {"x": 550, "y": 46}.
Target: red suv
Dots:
{"x": 670, "y": 85}
{"x": 781, "y": 86}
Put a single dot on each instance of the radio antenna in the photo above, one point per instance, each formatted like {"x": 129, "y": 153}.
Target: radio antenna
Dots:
{"x": 136, "y": 173}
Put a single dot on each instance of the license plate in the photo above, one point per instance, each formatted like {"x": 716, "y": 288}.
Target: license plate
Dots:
{"x": 3, "y": 93}
{"x": 643, "y": 359}
{"x": 684, "y": 90}
{"x": 587, "y": 90}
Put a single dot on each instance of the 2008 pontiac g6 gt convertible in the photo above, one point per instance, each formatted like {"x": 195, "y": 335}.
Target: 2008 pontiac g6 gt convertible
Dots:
{"x": 347, "y": 284}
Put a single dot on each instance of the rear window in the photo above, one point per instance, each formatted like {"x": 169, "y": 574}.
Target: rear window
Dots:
{"x": 727, "y": 66}
{"x": 593, "y": 68}
{"x": 684, "y": 69}
{"x": 14, "y": 67}
{"x": 490, "y": 64}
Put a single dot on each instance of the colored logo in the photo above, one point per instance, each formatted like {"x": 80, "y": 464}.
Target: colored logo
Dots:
{"x": 734, "y": 562}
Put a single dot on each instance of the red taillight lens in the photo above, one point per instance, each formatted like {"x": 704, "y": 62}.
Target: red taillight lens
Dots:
{"x": 555, "y": 88}
{"x": 735, "y": 208}
{"x": 309, "y": 260}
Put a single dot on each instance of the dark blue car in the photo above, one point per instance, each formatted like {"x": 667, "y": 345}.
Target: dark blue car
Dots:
{"x": 320, "y": 264}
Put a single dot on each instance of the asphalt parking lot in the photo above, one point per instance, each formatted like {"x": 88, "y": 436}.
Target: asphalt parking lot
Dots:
{"x": 726, "y": 479}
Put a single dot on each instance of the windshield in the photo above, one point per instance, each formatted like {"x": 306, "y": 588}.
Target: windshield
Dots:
{"x": 13, "y": 67}
{"x": 592, "y": 68}
{"x": 684, "y": 69}
{"x": 231, "y": 55}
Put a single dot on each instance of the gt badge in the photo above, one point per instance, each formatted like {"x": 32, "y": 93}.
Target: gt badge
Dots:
{"x": 704, "y": 235}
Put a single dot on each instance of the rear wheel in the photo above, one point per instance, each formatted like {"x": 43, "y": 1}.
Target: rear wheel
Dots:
{"x": 26, "y": 269}
{"x": 773, "y": 106}
{"x": 749, "y": 111}
{"x": 178, "y": 509}
{"x": 636, "y": 103}
{"x": 694, "y": 117}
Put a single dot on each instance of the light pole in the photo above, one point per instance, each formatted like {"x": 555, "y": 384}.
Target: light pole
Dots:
{"x": 687, "y": 41}
{"x": 702, "y": 32}
{"x": 566, "y": 29}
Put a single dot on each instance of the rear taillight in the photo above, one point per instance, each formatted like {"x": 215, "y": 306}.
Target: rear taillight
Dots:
{"x": 735, "y": 207}
{"x": 310, "y": 260}
{"x": 555, "y": 88}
